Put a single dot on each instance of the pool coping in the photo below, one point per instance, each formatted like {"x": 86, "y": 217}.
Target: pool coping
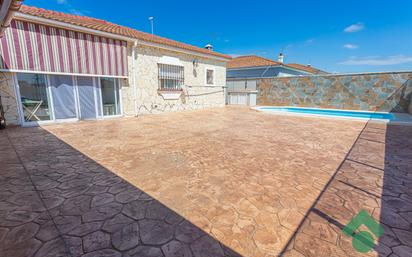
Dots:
{"x": 400, "y": 118}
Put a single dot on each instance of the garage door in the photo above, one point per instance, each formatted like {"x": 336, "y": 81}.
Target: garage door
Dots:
{"x": 238, "y": 98}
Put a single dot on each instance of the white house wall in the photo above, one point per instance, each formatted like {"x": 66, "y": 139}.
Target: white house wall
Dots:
{"x": 196, "y": 94}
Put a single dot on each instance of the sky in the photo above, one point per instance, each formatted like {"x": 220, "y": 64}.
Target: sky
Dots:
{"x": 336, "y": 36}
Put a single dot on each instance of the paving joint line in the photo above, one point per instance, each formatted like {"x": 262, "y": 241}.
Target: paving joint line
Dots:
{"x": 321, "y": 193}
{"x": 41, "y": 199}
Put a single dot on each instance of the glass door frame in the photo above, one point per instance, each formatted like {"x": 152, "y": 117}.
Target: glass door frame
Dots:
{"x": 53, "y": 119}
{"x": 97, "y": 94}
{"x": 20, "y": 110}
{"x": 119, "y": 97}
{"x": 76, "y": 100}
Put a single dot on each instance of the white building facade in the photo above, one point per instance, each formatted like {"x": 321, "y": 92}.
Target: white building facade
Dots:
{"x": 55, "y": 70}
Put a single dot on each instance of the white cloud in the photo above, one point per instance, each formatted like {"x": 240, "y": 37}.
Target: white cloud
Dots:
{"x": 378, "y": 61}
{"x": 310, "y": 41}
{"x": 72, "y": 10}
{"x": 77, "y": 12}
{"x": 354, "y": 28}
{"x": 350, "y": 46}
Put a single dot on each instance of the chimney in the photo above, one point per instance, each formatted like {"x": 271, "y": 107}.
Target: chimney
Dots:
{"x": 209, "y": 47}
{"x": 280, "y": 58}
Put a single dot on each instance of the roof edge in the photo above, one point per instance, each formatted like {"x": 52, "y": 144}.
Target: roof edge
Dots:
{"x": 290, "y": 66}
{"x": 66, "y": 25}
{"x": 7, "y": 11}
{"x": 270, "y": 66}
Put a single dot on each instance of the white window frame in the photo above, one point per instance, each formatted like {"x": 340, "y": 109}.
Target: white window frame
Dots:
{"x": 180, "y": 80}
{"x": 214, "y": 76}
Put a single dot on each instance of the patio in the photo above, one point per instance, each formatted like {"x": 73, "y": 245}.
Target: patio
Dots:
{"x": 217, "y": 182}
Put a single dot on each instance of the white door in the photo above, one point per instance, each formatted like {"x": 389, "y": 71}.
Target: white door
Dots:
{"x": 238, "y": 98}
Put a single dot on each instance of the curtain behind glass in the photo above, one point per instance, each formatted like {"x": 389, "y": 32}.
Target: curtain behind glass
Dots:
{"x": 63, "y": 96}
{"x": 86, "y": 98}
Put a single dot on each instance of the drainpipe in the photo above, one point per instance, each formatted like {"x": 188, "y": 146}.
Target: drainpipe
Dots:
{"x": 134, "y": 77}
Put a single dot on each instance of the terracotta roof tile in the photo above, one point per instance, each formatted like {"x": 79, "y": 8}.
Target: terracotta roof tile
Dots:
{"x": 250, "y": 61}
{"x": 306, "y": 68}
{"x": 256, "y": 61}
{"x": 105, "y": 26}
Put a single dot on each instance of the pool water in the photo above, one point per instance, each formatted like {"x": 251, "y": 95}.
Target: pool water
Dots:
{"x": 327, "y": 112}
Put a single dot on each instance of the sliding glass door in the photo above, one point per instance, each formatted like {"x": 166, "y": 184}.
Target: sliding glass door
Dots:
{"x": 63, "y": 96}
{"x": 88, "y": 100}
{"x": 110, "y": 91}
{"x": 34, "y": 97}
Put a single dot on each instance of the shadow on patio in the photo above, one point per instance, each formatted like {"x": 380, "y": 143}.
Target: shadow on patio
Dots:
{"x": 55, "y": 201}
{"x": 376, "y": 176}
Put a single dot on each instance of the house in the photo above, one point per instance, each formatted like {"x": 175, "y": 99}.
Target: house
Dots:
{"x": 243, "y": 71}
{"x": 60, "y": 67}
{"x": 252, "y": 66}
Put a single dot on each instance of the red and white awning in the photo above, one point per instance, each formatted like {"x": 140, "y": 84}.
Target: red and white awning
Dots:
{"x": 33, "y": 47}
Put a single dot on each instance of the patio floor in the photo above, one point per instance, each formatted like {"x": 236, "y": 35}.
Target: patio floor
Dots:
{"x": 209, "y": 183}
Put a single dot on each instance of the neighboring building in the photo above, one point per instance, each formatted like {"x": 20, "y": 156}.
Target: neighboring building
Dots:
{"x": 61, "y": 67}
{"x": 306, "y": 68}
{"x": 243, "y": 71}
{"x": 253, "y": 66}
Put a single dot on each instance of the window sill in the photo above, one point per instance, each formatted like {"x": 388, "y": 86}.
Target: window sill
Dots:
{"x": 169, "y": 90}
{"x": 168, "y": 94}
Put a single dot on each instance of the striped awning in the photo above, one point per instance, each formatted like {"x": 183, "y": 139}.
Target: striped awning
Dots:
{"x": 33, "y": 47}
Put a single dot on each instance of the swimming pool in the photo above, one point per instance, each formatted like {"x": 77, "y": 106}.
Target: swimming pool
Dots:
{"x": 329, "y": 112}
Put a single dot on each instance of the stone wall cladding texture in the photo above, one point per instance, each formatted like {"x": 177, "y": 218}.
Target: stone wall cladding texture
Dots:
{"x": 369, "y": 92}
{"x": 196, "y": 94}
{"x": 8, "y": 98}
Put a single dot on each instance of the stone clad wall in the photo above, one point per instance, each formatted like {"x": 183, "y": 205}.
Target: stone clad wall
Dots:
{"x": 370, "y": 92}
{"x": 8, "y": 98}
{"x": 127, "y": 86}
{"x": 196, "y": 94}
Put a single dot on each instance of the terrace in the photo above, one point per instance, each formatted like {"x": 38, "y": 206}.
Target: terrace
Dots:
{"x": 217, "y": 182}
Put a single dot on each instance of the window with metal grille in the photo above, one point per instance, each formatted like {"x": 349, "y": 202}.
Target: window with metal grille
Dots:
{"x": 210, "y": 79}
{"x": 171, "y": 77}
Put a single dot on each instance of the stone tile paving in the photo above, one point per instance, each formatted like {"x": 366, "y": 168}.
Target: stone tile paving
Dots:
{"x": 26, "y": 227}
{"x": 217, "y": 182}
{"x": 376, "y": 177}
{"x": 68, "y": 205}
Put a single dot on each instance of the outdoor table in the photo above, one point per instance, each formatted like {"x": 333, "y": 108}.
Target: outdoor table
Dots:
{"x": 35, "y": 106}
